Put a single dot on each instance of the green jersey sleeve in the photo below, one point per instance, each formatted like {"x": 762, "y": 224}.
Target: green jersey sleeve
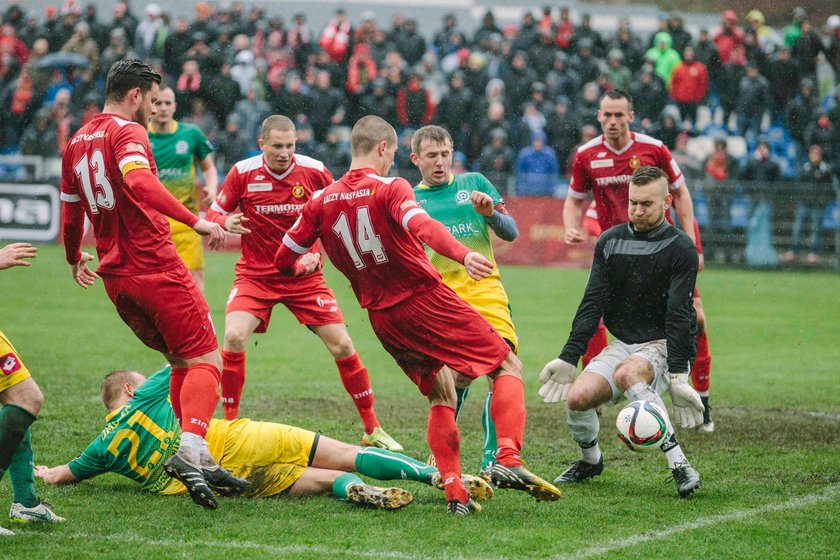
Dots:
{"x": 91, "y": 462}
{"x": 484, "y": 185}
{"x": 203, "y": 147}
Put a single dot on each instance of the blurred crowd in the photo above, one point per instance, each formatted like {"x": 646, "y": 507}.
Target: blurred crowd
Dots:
{"x": 517, "y": 98}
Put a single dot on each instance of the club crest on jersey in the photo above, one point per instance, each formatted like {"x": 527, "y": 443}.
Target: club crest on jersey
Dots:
{"x": 298, "y": 191}
{"x": 462, "y": 197}
{"x": 635, "y": 162}
{"x": 181, "y": 148}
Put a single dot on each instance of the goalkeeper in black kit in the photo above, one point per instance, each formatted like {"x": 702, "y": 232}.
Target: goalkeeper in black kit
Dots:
{"x": 641, "y": 284}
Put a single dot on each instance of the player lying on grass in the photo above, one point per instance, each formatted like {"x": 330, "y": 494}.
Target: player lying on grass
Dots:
{"x": 141, "y": 432}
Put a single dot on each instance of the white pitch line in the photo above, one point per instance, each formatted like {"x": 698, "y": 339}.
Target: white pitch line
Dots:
{"x": 618, "y": 544}
{"x": 221, "y": 545}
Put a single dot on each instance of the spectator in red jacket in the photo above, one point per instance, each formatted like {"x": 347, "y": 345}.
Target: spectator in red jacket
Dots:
{"x": 689, "y": 85}
{"x": 729, "y": 36}
{"x": 414, "y": 103}
{"x": 335, "y": 38}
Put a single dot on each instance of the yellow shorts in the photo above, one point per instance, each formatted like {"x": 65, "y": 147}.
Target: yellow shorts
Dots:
{"x": 188, "y": 244}
{"x": 12, "y": 368}
{"x": 489, "y": 298}
{"x": 270, "y": 456}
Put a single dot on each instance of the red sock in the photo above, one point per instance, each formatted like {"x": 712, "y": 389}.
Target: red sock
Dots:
{"x": 702, "y": 365}
{"x": 199, "y": 396}
{"x": 233, "y": 379}
{"x": 354, "y": 376}
{"x": 597, "y": 343}
{"x": 507, "y": 409}
{"x": 445, "y": 443}
{"x": 176, "y": 381}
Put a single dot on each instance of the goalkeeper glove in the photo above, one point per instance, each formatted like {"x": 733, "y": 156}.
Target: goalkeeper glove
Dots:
{"x": 556, "y": 378}
{"x": 688, "y": 408}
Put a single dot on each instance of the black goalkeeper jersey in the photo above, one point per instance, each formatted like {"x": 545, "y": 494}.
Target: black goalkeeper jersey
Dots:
{"x": 641, "y": 284}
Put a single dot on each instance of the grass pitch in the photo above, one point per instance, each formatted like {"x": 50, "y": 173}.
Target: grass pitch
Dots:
{"x": 771, "y": 472}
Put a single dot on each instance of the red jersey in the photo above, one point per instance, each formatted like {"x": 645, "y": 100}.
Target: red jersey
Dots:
{"x": 271, "y": 202}
{"x": 599, "y": 168}
{"x": 131, "y": 237}
{"x": 362, "y": 220}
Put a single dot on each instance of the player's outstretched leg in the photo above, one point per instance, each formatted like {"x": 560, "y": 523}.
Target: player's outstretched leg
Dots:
{"x": 351, "y": 488}
{"x": 687, "y": 479}
{"x": 382, "y": 464}
{"x": 507, "y": 409}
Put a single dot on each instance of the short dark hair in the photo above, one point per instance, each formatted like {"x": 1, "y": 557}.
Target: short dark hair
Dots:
{"x": 125, "y": 75}
{"x": 646, "y": 175}
{"x": 432, "y": 133}
{"x": 618, "y": 94}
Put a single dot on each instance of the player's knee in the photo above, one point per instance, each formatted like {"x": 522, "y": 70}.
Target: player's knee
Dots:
{"x": 578, "y": 399}
{"x": 31, "y": 398}
{"x": 236, "y": 338}
{"x": 342, "y": 348}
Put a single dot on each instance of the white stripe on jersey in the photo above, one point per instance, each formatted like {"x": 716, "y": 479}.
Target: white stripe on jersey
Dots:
{"x": 249, "y": 164}
{"x": 216, "y": 208}
{"x": 386, "y": 180}
{"x": 70, "y": 197}
{"x": 410, "y": 214}
{"x": 131, "y": 158}
{"x": 288, "y": 242}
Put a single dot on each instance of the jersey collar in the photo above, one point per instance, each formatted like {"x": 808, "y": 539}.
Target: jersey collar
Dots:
{"x": 423, "y": 185}
{"x": 173, "y": 125}
{"x": 622, "y": 150}
{"x": 275, "y": 175}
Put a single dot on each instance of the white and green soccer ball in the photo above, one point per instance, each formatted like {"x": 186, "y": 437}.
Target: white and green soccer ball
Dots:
{"x": 642, "y": 425}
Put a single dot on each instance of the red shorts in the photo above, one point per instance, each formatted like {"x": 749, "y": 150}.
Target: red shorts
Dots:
{"x": 165, "y": 310}
{"x": 309, "y": 299}
{"x": 437, "y": 328}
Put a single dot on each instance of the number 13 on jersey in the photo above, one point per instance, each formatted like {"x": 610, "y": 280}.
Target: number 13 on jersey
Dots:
{"x": 91, "y": 173}
{"x": 366, "y": 238}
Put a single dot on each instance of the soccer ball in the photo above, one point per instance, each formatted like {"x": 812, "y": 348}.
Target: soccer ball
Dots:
{"x": 642, "y": 425}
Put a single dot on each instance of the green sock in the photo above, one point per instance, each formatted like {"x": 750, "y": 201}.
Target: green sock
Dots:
{"x": 22, "y": 473}
{"x": 490, "y": 445}
{"x": 382, "y": 464}
{"x": 461, "y": 395}
{"x": 14, "y": 422}
{"x": 340, "y": 484}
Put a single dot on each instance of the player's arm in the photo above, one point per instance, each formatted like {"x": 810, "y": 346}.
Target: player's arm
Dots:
{"x": 56, "y": 475}
{"x": 496, "y": 216}
{"x": 577, "y": 201}
{"x": 211, "y": 178}
{"x": 73, "y": 229}
{"x": 679, "y": 331}
{"x": 435, "y": 235}
{"x": 293, "y": 257}
{"x": 574, "y": 209}
{"x": 679, "y": 317}
{"x": 558, "y": 375}
{"x": 685, "y": 210}
{"x": 222, "y": 208}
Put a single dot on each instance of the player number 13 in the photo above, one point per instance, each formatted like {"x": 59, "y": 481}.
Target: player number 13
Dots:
{"x": 91, "y": 172}
{"x": 366, "y": 238}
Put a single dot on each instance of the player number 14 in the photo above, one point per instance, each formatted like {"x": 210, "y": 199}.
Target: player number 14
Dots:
{"x": 91, "y": 172}
{"x": 366, "y": 238}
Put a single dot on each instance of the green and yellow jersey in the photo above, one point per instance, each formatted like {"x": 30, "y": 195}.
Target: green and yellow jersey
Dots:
{"x": 450, "y": 204}
{"x": 138, "y": 438}
{"x": 174, "y": 152}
